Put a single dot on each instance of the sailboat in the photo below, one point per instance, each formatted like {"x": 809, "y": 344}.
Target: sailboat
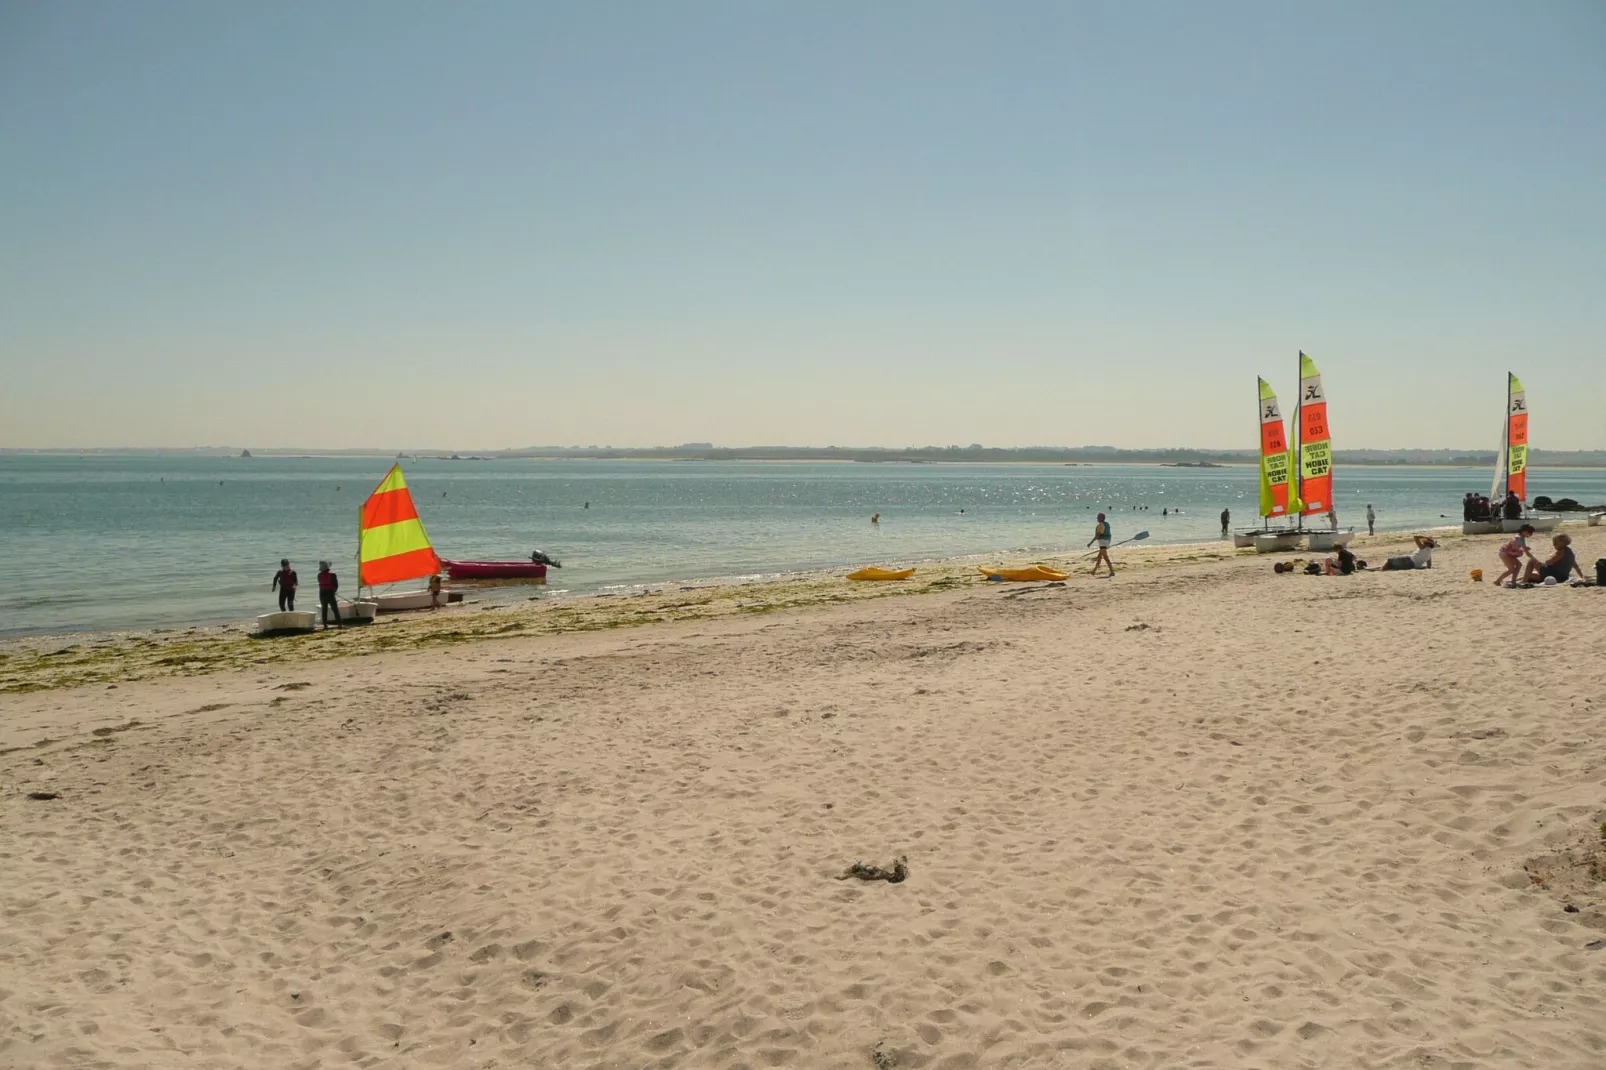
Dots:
{"x": 1313, "y": 458}
{"x": 393, "y": 547}
{"x": 1273, "y": 480}
{"x": 1511, "y": 470}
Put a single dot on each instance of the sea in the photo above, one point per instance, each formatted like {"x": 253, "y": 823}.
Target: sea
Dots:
{"x": 94, "y": 542}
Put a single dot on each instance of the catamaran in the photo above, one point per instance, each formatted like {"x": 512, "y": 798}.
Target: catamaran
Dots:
{"x": 1511, "y": 470}
{"x": 1311, "y": 459}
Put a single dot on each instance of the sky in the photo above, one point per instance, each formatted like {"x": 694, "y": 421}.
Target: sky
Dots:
{"x": 404, "y": 224}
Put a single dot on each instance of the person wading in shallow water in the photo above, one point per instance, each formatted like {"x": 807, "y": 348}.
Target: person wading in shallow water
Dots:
{"x": 284, "y": 581}
{"x": 328, "y": 584}
{"x": 1226, "y": 518}
{"x": 1101, "y": 535}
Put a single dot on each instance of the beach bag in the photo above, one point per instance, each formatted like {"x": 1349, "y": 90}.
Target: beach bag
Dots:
{"x": 1600, "y": 572}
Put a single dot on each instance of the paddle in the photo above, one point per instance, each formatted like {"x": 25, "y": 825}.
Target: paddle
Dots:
{"x": 1139, "y": 537}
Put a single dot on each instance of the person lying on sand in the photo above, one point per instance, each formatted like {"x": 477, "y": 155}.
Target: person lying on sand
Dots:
{"x": 1560, "y": 565}
{"x": 1422, "y": 558}
{"x": 1512, "y": 553}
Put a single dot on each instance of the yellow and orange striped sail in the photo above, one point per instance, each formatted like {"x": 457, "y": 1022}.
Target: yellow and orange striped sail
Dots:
{"x": 1315, "y": 450}
{"x": 391, "y": 542}
{"x": 1516, "y": 437}
{"x": 1273, "y": 455}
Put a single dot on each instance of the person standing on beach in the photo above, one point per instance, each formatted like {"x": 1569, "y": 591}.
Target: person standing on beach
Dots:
{"x": 328, "y": 584}
{"x": 1371, "y": 520}
{"x": 1226, "y": 518}
{"x": 1332, "y": 519}
{"x": 284, "y": 581}
{"x": 1101, "y": 535}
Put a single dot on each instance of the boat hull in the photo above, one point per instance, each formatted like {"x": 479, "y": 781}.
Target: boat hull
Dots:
{"x": 495, "y": 570}
{"x": 1277, "y": 542}
{"x": 360, "y": 611}
{"x": 1035, "y": 574}
{"x": 1537, "y": 521}
{"x": 1243, "y": 540}
{"x": 405, "y": 601}
{"x": 873, "y": 573}
{"x": 1595, "y": 519}
{"x": 1322, "y": 541}
{"x": 293, "y": 622}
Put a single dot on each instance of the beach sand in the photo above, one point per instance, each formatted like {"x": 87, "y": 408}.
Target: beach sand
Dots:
{"x": 1196, "y": 816}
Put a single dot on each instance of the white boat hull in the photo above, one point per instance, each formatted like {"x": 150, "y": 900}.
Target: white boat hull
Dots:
{"x": 361, "y": 611}
{"x": 1537, "y": 521}
{"x": 1595, "y": 519}
{"x": 289, "y": 623}
{"x": 403, "y": 601}
{"x": 1277, "y": 542}
{"x": 1322, "y": 541}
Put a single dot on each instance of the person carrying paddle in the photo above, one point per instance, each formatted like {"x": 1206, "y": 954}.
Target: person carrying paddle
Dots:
{"x": 1101, "y": 535}
{"x": 284, "y": 581}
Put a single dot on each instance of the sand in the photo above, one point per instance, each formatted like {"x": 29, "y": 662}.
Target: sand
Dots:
{"x": 1196, "y": 816}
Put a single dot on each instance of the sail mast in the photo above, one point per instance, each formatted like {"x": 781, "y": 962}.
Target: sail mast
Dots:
{"x": 1505, "y": 445}
{"x": 1295, "y": 455}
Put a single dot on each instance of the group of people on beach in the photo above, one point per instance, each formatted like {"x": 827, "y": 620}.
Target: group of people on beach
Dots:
{"x": 285, "y": 581}
{"x": 1479, "y": 507}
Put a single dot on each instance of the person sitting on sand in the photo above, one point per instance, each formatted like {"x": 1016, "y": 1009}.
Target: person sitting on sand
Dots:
{"x": 1422, "y": 558}
{"x": 1560, "y": 565}
{"x": 1342, "y": 563}
{"x": 1512, "y": 553}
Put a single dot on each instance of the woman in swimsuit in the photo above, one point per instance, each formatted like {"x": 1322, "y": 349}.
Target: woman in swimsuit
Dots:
{"x": 1561, "y": 564}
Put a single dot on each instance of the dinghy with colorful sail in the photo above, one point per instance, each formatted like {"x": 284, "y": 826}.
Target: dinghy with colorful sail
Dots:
{"x": 392, "y": 545}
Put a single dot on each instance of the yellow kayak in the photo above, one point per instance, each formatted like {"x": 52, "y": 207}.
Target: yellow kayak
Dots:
{"x": 1025, "y": 575}
{"x": 881, "y": 574}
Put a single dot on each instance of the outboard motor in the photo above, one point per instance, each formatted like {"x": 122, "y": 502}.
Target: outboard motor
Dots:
{"x": 540, "y": 557}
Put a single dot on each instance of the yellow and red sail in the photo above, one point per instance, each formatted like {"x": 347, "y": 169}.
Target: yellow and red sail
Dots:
{"x": 1314, "y": 453}
{"x": 1516, "y": 438}
{"x": 1273, "y": 455}
{"x": 391, "y": 542}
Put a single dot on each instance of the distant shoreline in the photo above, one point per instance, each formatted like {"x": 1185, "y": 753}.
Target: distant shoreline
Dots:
{"x": 1068, "y": 456}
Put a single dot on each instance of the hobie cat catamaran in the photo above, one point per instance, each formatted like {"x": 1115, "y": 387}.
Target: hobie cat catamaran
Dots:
{"x": 1511, "y": 471}
{"x": 1308, "y": 464}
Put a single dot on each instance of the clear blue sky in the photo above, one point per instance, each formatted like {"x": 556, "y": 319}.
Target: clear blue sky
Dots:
{"x": 480, "y": 225}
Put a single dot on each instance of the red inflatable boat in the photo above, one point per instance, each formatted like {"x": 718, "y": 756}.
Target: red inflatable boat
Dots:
{"x": 495, "y": 570}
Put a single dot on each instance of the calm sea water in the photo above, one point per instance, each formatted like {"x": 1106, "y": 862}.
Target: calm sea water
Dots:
{"x": 99, "y": 542}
